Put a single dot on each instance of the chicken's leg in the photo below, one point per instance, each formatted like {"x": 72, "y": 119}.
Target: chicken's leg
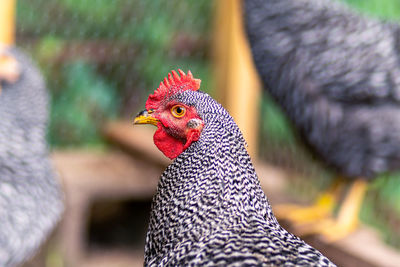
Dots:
{"x": 347, "y": 219}
{"x": 321, "y": 209}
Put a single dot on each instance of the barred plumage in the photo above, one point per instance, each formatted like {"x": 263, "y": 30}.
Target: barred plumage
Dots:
{"x": 30, "y": 196}
{"x": 210, "y": 210}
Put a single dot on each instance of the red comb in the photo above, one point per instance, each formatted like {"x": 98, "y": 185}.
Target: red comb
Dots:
{"x": 174, "y": 84}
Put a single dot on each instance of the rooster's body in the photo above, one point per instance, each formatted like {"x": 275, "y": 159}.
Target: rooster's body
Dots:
{"x": 209, "y": 209}
{"x": 30, "y": 196}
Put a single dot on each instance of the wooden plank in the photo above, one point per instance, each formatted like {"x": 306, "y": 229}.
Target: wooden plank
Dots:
{"x": 236, "y": 78}
{"x": 7, "y": 22}
{"x": 88, "y": 176}
{"x": 107, "y": 174}
{"x": 136, "y": 140}
{"x": 114, "y": 258}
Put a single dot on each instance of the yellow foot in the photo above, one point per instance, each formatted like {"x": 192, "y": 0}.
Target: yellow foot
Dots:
{"x": 320, "y": 210}
{"x": 300, "y": 215}
{"x": 330, "y": 230}
{"x": 347, "y": 219}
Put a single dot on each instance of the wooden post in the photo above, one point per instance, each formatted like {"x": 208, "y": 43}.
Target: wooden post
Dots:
{"x": 7, "y": 22}
{"x": 237, "y": 81}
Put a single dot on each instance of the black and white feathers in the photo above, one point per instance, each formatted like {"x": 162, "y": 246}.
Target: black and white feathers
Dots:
{"x": 210, "y": 210}
{"x": 336, "y": 74}
{"x": 30, "y": 196}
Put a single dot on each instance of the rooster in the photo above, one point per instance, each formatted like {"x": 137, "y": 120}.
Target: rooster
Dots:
{"x": 336, "y": 74}
{"x": 209, "y": 208}
{"x": 30, "y": 195}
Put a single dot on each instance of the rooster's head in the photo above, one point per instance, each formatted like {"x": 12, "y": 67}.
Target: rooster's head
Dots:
{"x": 178, "y": 123}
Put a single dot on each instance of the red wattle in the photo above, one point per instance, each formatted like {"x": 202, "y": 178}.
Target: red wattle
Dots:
{"x": 170, "y": 146}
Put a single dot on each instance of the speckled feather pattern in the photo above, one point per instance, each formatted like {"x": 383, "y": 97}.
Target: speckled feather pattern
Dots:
{"x": 30, "y": 196}
{"x": 336, "y": 74}
{"x": 209, "y": 208}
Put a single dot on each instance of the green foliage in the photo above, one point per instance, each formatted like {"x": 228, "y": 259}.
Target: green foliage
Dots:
{"x": 139, "y": 20}
{"x": 387, "y": 9}
{"x": 79, "y": 110}
{"x": 156, "y": 36}
{"x": 389, "y": 186}
{"x": 274, "y": 125}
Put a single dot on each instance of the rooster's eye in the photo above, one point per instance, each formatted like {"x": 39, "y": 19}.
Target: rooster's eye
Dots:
{"x": 178, "y": 111}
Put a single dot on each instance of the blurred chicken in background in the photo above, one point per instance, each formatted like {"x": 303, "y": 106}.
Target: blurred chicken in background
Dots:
{"x": 30, "y": 195}
{"x": 336, "y": 74}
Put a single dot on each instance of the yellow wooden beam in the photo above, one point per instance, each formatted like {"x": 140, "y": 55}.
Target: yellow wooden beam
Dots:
{"x": 237, "y": 81}
{"x": 7, "y": 22}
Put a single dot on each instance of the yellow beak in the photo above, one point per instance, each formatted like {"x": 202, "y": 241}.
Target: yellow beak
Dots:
{"x": 145, "y": 117}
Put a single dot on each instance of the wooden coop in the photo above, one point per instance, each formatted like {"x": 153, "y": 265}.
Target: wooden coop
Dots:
{"x": 108, "y": 191}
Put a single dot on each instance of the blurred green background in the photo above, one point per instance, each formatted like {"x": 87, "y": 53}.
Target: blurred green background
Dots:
{"x": 102, "y": 58}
